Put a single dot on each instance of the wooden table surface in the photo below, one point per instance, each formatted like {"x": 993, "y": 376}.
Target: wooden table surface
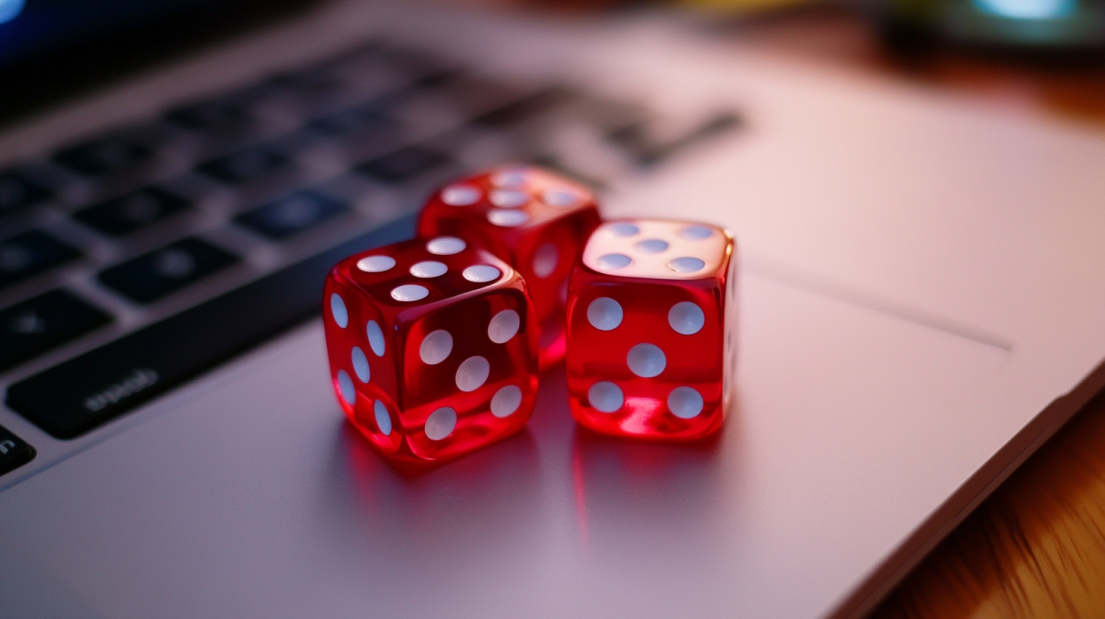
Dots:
{"x": 1036, "y": 547}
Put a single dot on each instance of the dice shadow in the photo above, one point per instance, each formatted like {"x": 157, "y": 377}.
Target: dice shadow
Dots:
{"x": 628, "y": 490}
{"x": 467, "y": 509}
{"x": 650, "y": 514}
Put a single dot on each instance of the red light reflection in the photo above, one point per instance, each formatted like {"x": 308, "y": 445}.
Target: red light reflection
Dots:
{"x": 641, "y": 412}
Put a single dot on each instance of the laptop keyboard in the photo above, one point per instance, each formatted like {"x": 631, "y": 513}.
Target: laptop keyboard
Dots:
{"x": 138, "y": 259}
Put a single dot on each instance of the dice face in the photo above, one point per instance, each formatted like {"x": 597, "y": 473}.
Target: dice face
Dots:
{"x": 432, "y": 346}
{"x": 650, "y": 329}
{"x": 536, "y": 221}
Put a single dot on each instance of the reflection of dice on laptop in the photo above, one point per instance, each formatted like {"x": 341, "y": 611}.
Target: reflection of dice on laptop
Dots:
{"x": 650, "y": 339}
{"x": 532, "y": 219}
{"x": 432, "y": 346}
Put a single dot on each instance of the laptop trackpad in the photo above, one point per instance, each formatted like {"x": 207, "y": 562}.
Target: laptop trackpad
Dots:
{"x": 246, "y": 495}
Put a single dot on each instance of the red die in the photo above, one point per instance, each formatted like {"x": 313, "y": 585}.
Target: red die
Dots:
{"x": 432, "y": 346}
{"x": 535, "y": 220}
{"x": 650, "y": 350}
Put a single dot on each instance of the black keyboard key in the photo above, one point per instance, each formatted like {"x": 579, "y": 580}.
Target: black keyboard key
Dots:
{"x": 304, "y": 93}
{"x": 419, "y": 65}
{"x": 117, "y": 377}
{"x": 247, "y": 166}
{"x": 365, "y": 123}
{"x": 132, "y": 212}
{"x": 214, "y": 117}
{"x": 104, "y": 157}
{"x": 361, "y": 133}
{"x": 434, "y": 79}
{"x": 403, "y": 165}
{"x": 30, "y": 253}
{"x": 38, "y": 324}
{"x": 14, "y": 451}
{"x": 647, "y": 151}
{"x": 555, "y": 164}
{"x": 306, "y": 84}
{"x": 291, "y": 215}
{"x": 162, "y": 272}
{"x": 607, "y": 115}
{"x": 17, "y": 192}
{"x": 524, "y": 108}
{"x": 473, "y": 95}
{"x": 364, "y": 51}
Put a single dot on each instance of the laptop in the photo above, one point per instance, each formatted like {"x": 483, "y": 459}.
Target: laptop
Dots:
{"x": 921, "y": 285}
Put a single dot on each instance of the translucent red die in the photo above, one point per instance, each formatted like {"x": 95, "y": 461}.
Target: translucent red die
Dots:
{"x": 536, "y": 221}
{"x": 650, "y": 329}
{"x": 432, "y": 346}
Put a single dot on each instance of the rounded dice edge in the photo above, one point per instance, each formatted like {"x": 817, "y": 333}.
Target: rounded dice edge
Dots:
{"x": 339, "y": 344}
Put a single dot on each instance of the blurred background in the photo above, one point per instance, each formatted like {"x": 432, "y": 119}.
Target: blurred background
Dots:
{"x": 1043, "y": 54}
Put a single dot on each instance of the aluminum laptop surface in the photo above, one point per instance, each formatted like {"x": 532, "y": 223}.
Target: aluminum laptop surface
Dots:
{"x": 920, "y": 292}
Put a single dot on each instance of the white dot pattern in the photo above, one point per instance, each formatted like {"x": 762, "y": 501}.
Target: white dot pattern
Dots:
{"x": 614, "y": 261}
{"x": 436, "y": 347}
{"x": 472, "y": 373}
{"x": 695, "y": 233}
{"x": 460, "y": 195}
{"x": 685, "y": 402}
{"x": 544, "y": 261}
{"x": 375, "y": 264}
{"x": 428, "y": 269}
{"x": 606, "y": 397}
{"x": 686, "y": 264}
{"x": 481, "y": 273}
{"x": 345, "y": 387}
{"x": 409, "y": 293}
{"x": 375, "y": 338}
{"x": 360, "y": 365}
{"x": 509, "y": 198}
{"x": 651, "y": 246}
{"x": 445, "y": 246}
{"x": 507, "y": 219}
{"x": 624, "y": 229}
{"x": 441, "y": 423}
{"x": 604, "y": 314}
{"x": 656, "y": 249}
{"x": 503, "y": 326}
{"x": 383, "y": 420}
{"x": 338, "y": 310}
{"x": 561, "y": 198}
{"x": 686, "y": 318}
{"x": 506, "y": 401}
{"x": 646, "y": 360}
